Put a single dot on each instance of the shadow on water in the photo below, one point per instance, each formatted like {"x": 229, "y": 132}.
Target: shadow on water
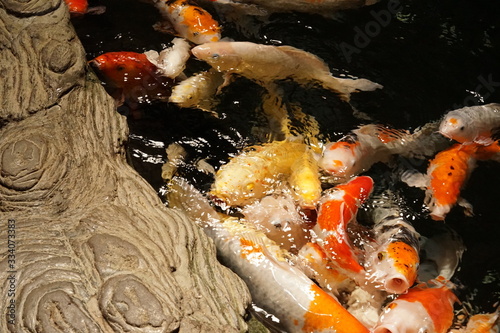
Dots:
{"x": 431, "y": 57}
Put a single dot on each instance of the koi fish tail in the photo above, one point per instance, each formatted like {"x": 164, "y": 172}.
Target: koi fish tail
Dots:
{"x": 345, "y": 87}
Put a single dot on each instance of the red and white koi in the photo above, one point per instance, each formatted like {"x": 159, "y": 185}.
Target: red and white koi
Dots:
{"x": 190, "y": 21}
{"x": 393, "y": 260}
{"x": 424, "y": 308}
{"x": 472, "y": 124}
{"x": 276, "y": 286}
{"x": 338, "y": 208}
{"x": 267, "y": 63}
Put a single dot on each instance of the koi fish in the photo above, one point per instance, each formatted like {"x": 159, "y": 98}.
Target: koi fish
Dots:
{"x": 255, "y": 173}
{"x": 130, "y": 77}
{"x": 81, "y": 7}
{"x": 446, "y": 175}
{"x": 267, "y": 63}
{"x": 337, "y": 208}
{"x": 472, "y": 124}
{"x": 171, "y": 61}
{"x": 356, "y": 152}
{"x": 279, "y": 218}
{"x": 393, "y": 261}
{"x": 190, "y": 21}
{"x": 276, "y": 286}
{"x": 424, "y": 308}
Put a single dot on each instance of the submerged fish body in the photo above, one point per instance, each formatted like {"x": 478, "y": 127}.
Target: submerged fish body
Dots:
{"x": 130, "y": 76}
{"x": 267, "y": 63}
{"x": 423, "y": 308}
{"x": 483, "y": 323}
{"x": 337, "y": 209}
{"x": 190, "y": 21}
{"x": 255, "y": 173}
{"x": 393, "y": 261}
{"x": 472, "y": 124}
{"x": 275, "y": 285}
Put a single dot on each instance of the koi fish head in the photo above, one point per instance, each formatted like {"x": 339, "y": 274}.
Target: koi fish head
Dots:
{"x": 201, "y": 27}
{"x": 454, "y": 127}
{"x": 394, "y": 267}
{"x": 339, "y": 158}
{"x": 220, "y": 55}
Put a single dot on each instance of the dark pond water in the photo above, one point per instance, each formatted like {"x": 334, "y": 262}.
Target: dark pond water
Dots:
{"x": 431, "y": 56}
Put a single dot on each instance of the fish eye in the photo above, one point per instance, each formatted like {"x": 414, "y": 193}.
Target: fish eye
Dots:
{"x": 381, "y": 256}
{"x": 250, "y": 186}
{"x": 462, "y": 128}
{"x": 215, "y": 56}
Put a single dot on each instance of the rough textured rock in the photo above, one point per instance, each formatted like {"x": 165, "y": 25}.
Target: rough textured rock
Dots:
{"x": 86, "y": 245}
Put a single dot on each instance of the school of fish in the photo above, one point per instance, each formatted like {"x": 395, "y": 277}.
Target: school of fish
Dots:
{"x": 322, "y": 245}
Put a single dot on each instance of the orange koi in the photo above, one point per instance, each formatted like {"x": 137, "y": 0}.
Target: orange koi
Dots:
{"x": 337, "y": 208}
{"x": 130, "y": 77}
{"x": 190, "y": 21}
{"x": 448, "y": 173}
{"x": 393, "y": 261}
{"x": 423, "y": 309}
{"x": 472, "y": 124}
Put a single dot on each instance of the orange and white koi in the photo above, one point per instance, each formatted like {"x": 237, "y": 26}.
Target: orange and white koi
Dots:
{"x": 276, "y": 286}
{"x": 255, "y": 173}
{"x": 131, "y": 77}
{"x": 446, "y": 175}
{"x": 472, "y": 124}
{"x": 356, "y": 152}
{"x": 425, "y": 308}
{"x": 338, "y": 207}
{"x": 393, "y": 260}
{"x": 267, "y": 63}
{"x": 190, "y": 21}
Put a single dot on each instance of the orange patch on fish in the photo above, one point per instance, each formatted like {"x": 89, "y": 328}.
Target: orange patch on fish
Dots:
{"x": 450, "y": 171}
{"x": 77, "y": 6}
{"x": 199, "y": 20}
{"x": 326, "y": 314}
{"x": 437, "y": 303}
{"x": 452, "y": 121}
{"x": 249, "y": 249}
{"x": 405, "y": 259}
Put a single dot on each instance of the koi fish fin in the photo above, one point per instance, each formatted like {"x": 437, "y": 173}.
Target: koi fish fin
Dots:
{"x": 348, "y": 86}
{"x": 485, "y": 141}
{"x": 413, "y": 178}
{"x": 467, "y": 206}
{"x": 165, "y": 27}
{"x": 175, "y": 157}
{"x": 96, "y": 10}
{"x": 382, "y": 133}
{"x": 205, "y": 167}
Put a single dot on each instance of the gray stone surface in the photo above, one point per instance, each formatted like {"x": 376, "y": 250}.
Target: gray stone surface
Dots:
{"x": 85, "y": 243}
